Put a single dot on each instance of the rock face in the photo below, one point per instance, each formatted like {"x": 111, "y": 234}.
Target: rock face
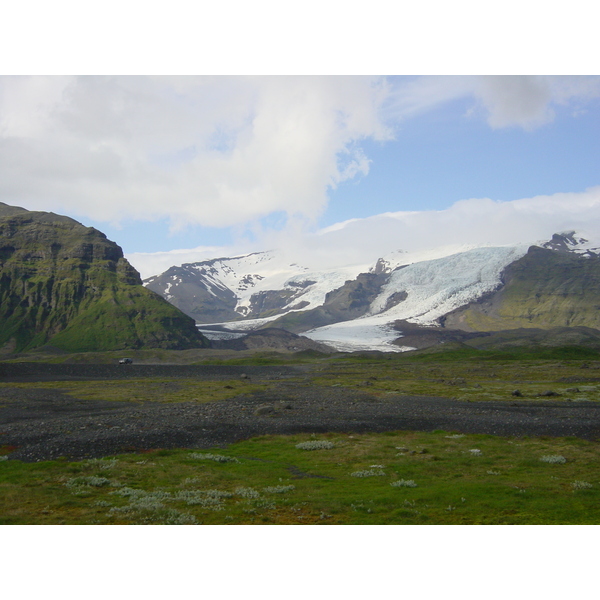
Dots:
{"x": 66, "y": 285}
{"x": 350, "y": 301}
{"x": 545, "y": 288}
{"x": 194, "y": 292}
{"x": 252, "y": 286}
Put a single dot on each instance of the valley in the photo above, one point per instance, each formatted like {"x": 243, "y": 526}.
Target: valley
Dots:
{"x": 546, "y": 285}
{"x": 85, "y": 440}
{"x": 460, "y": 384}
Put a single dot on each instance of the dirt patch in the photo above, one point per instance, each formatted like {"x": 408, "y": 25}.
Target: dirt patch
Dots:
{"x": 47, "y": 424}
{"x": 80, "y": 372}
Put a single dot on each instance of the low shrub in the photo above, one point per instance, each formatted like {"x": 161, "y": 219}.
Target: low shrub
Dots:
{"x": 216, "y": 457}
{"x": 554, "y": 459}
{"x": 581, "y": 485}
{"x": 87, "y": 481}
{"x": 315, "y": 445}
{"x": 404, "y": 483}
{"x": 367, "y": 473}
{"x": 247, "y": 492}
{"x": 279, "y": 489}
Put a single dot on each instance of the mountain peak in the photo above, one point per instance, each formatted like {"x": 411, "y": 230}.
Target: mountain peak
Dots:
{"x": 564, "y": 241}
{"x": 9, "y": 211}
{"x": 573, "y": 242}
{"x": 381, "y": 266}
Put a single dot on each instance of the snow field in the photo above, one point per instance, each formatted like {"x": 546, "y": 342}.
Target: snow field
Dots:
{"x": 434, "y": 288}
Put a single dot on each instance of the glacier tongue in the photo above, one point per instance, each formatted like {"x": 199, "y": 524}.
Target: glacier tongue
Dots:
{"x": 434, "y": 288}
{"x": 359, "y": 334}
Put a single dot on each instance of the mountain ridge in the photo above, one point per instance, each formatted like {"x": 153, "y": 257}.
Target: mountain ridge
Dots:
{"x": 428, "y": 288}
{"x": 545, "y": 288}
{"x": 67, "y": 285}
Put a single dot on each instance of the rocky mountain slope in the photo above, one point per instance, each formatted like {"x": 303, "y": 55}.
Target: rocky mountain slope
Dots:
{"x": 65, "y": 285}
{"x": 548, "y": 287}
{"x": 258, "y": 285}
{"x": 260, "y": 290}
{"x": 272, "y": 339}
{"x": 553, "y": 284}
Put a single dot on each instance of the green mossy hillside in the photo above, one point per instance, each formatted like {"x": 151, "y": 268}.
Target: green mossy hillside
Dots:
{"x": 543, "y": 289}
{"x": 66, "y": 285}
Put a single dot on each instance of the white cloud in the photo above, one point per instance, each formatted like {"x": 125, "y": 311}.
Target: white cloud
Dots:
{"x": 526, "y": 101}
{"x": 472, "y": 222}
{"x": 225, "y": 151}
{"x": 417, "y": 95}
{"x": 517, "y": 100}
{"x": 477, "y": 221}
{"x": 216, "y": 151}
{"x": 506, "y": 100}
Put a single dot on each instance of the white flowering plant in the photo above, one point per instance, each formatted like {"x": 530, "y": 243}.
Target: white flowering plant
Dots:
{"x": 404, "y": 483}
{"x": 554, "y": 459}
{"x": 315, "y": 445}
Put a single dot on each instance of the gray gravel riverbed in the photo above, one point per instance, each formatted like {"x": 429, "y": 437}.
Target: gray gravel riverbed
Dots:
{"x": 43, "y": 424}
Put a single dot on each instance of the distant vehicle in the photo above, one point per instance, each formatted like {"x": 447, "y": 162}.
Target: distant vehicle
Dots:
{"x": 126, "y": 361}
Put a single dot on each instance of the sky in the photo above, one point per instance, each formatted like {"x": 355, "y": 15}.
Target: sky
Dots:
{"x": 393, "y": 162}
{"x": 238, "y": 163}
{"x": 258, "y": 154}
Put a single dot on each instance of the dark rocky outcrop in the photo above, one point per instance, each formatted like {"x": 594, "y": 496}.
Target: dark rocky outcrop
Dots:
{"x": 66, "y": 285}
{"x": 273, "y": 339}
{"x": 350, "y": 301}
{"x": 195, "y": 293}
{"x": 420, "y": 337}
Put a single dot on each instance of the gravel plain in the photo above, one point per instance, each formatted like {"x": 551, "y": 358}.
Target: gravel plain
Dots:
{"x": 44, "y": 424}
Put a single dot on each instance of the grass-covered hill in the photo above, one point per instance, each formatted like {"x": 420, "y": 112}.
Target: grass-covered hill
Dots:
{"x": 65, "y": 285}
{"x": 544, "y": 289}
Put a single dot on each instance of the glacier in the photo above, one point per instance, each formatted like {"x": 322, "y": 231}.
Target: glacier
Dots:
{"x": 434, "y": 288}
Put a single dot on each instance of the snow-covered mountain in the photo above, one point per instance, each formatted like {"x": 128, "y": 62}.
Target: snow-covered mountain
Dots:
{"x": 430, "y": 289}
{"x": 261, "y": 284}
{"x": 573, "y": 243}
{"x": 352, "y": 307}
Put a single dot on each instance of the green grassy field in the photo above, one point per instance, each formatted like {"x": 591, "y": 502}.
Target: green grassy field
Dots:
{"x": 463, "y": 375}
{"x": 470, "y": 378}
{"x": 389, "y": 478}
{"x": 148, "y": 390}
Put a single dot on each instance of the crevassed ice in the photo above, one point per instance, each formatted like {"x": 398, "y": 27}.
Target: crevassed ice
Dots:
{"x": 436, "y": 287}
